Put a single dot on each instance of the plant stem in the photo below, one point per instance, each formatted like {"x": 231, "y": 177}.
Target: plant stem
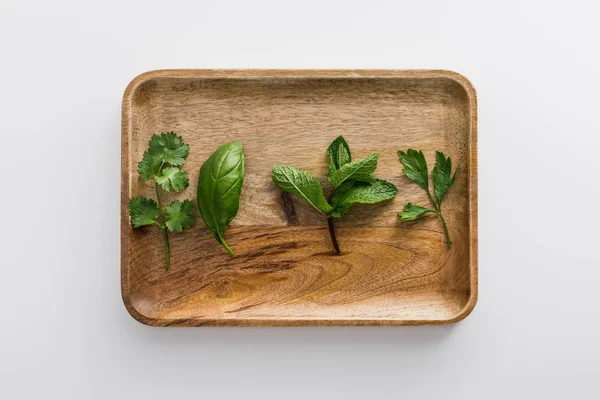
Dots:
{"x": 438, "y": 211}
{"x": 445, "y": 231}
{"x": 165, "y": 237}
{"x": 163, "y": 227}
{"x": 332, "y": 233}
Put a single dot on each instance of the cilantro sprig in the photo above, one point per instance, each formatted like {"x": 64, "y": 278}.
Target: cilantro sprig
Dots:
{"x": 353, "y": 182}
{"x": 162, "y": 163}
{"x": 415, "y": 168}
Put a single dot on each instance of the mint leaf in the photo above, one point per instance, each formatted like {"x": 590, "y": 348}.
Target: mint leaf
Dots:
{"x": 415, "y": 167}
{"x": 343, "y": 156}
{"x": 179, "y": 215}
{"x": 143, "y": 211}
{"x": 442, "y": 176}
{"x": 355, "y": 170}
{"x": 333, "y": 151}
{"x": 173, "y": 178}
{"x": 302, "y": 184}
{"x": 412, "y": 212}
{"x": 361, "y": 192}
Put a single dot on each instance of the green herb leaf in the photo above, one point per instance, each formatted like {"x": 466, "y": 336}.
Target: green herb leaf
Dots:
{"x": 302, "y": 184}
{"x": 415, "y": 167}
{"x": 442, "y": 176}
{"x": 143, "y": 211}
{"x": 173, "y": 178}
{"x": 355, "y": 170}
{"x": 165, "y": 149}
{"x": 219, "y": 187}
{"x": 361, "y": 192}
{"x": 333, "y": 151}
{"x": 412, "y": 212}
{"x": 179, "y": 215}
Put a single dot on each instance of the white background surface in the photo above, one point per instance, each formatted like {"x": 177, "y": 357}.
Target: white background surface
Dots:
{"x": 534, "y": 333}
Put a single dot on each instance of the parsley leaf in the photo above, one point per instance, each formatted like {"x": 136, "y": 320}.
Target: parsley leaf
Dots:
{"x": 441, "y": 176}
{"x": 162, "y": 161}
{"x": 412, "y": 212}
{"x": 415, "y": 167}
{"x": 179, "y": 215}
{"x": 143, "y": 211}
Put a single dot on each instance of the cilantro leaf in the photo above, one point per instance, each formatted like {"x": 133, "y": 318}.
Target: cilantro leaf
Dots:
{"x": 415, "y": 167}
{"x": 302, "y": 184}
{"x": 412, "y": 212}
{"x": 173, "y": 178}
{"x": 143, "y": 211}
{"x": 162, "y": 161}
{"x": 165, "y": 149}
{"x": 333, "y": 151}
{"x": 361, "y": 192}
{"x": 179, "y": 215}
{"x": 442, "y": 176}
{"x": 355, "y": 170}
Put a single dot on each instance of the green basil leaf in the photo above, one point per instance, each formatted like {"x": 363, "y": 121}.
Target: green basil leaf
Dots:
{"x": 302, "y": 184}
{"x": 219, "y": 188}
{"x": 361, "y": 192}
{"x": 442, "y": 176}
{"x": 355, "y": 170}
{"x": 412, "y": 212}
{"x": 415, "y": 167}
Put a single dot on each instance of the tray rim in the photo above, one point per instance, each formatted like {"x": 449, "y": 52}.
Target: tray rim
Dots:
{"x": 299, "y": 74}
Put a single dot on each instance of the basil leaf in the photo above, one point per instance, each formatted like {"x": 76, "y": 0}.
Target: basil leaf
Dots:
{"x": 415, "y": 167}
{"x": 355, "y": 170}
{"x": 302, "y": 184}
{"x": 412, "y": 212}
{"x": 442, "y": 176}
{"x": 219, "y": 187}
{"x": 333, "y": 151}
{"x": 361, "y": 192}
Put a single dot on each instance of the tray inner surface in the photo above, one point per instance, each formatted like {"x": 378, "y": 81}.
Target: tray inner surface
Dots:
{"x": 285, "y": 272}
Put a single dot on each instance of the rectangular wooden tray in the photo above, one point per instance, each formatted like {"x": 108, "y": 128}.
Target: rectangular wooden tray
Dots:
{"x": 285, "y": 273}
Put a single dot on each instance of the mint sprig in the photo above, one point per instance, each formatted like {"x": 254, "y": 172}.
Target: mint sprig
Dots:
{"x": 352, "y": 180}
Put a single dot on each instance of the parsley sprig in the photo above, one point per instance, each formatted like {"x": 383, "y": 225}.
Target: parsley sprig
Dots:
{"x": 415, "y": 168}
{"x": 162, "y": 163}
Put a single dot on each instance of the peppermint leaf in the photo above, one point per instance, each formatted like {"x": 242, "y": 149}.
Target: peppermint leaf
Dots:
{"x": 355, "y": 170}
{"x": 302, "y": 184}
{"x": 361, "y": 192}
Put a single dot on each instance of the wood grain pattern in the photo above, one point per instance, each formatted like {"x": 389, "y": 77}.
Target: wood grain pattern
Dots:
{"x": 285, "y": 272}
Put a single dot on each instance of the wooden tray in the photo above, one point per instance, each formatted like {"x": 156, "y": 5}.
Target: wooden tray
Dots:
{"x": 285, "y": 273}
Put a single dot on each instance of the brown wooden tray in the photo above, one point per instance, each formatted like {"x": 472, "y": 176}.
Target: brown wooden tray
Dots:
{"x": 285, "y": 274}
